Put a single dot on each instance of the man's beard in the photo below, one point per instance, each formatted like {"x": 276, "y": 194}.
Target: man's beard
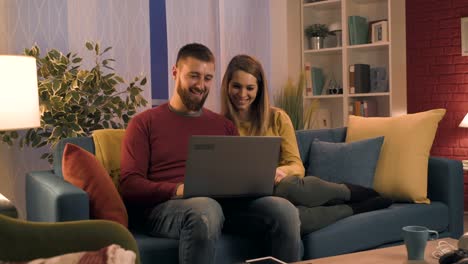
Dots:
{"x": 189, "y": 101}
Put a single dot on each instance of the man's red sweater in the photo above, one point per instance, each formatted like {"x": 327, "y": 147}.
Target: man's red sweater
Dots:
{"x": 155, "y": 148}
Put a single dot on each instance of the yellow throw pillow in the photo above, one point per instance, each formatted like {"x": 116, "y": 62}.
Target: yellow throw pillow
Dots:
{"x": 401, "y": 172}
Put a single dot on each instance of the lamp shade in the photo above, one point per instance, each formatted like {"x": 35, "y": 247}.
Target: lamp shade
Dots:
{"x": 464, "y": 122}
{"x": 19, "y": 100}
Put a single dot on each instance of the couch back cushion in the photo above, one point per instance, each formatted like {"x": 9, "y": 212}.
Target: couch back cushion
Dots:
{"x": 341, "y": 162}
{"x": 306, "y": 137}
{"x": 83, "y": 170}
{"x": 401, "y": 172}
{"x": 107, "y": 143}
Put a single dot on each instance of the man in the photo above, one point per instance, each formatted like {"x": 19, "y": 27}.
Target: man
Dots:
{"x": 153, "y": 160}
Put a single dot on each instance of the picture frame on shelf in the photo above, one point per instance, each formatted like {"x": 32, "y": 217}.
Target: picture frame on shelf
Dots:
{"x": 379, "y": 31}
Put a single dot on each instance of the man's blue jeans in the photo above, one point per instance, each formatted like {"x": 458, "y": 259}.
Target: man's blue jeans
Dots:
{"x": 197, "y": 223}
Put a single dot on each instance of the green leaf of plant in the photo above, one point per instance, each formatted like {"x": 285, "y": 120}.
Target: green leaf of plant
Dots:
{"x": 105, "y": 50}
{"x": 89, "y": 46}
{"x": 77, "y": 60}
{"x": 14, "y": 134}
{"x": 143, "y": 82}
{"x": 56, "y": 132}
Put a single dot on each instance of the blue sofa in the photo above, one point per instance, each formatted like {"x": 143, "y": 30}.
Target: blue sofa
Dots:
{"x": 50, "y": 198}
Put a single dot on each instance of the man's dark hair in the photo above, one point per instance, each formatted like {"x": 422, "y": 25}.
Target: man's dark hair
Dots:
{"x": 197, "y": 51}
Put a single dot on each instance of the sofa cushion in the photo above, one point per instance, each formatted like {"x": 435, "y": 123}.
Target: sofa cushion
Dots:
{"x": 374, "y": 229}
{"x": 81, "y": 169}
{"x": 305, "y": 138}
{"x": 353, "y": 162}
{"x": 107, "y": 143}
{"x": 401, "y": 172}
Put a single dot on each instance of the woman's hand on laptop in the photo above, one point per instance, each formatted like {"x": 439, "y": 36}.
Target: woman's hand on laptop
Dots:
{"x": 180, "y": 190}
{"x": 279, "y": 175}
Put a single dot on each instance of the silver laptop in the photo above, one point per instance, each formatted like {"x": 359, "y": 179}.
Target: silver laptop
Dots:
{"x": 231, "y": 166}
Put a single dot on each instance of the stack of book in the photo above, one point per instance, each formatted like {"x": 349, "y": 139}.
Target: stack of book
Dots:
{"x": 358, "y": 30}
{"x": 364, "y": 108}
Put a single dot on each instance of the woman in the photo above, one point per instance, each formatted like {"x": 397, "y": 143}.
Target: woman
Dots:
{"x": 245, "y": 102}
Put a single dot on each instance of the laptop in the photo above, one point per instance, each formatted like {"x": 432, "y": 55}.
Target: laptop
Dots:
{"x": 231, "y": 166}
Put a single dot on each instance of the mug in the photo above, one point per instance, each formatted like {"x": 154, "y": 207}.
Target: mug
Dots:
{"x": 415, "y": 238}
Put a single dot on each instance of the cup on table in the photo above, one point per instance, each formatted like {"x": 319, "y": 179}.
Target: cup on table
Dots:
{"x": 415, "y": 238}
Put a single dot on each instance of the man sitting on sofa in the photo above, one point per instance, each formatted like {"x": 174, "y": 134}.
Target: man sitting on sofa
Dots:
{"x": 153, "y": 160}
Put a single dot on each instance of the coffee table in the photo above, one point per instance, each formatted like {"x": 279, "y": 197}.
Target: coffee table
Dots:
{"x": 396, "y": 254}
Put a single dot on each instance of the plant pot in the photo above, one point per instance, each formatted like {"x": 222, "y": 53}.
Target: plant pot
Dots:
{"x": 316, "y": 43}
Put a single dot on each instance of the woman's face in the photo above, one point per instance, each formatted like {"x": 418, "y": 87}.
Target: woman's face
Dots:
{"x": 242, "y": 90}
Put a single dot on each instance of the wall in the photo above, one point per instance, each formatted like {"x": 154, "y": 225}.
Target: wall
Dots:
{"x": 67, "y": 25}
{"x": 437, "y": 73}
{"x": 228, "y": 28}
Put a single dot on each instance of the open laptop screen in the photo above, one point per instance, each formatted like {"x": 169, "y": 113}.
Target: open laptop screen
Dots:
{"x": 231, "y": 166}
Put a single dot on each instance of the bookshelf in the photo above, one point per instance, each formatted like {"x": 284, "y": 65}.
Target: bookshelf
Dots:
{"x": 388, "y": 53}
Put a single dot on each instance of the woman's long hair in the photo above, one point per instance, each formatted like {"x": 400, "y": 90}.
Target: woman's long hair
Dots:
{"x": 260, "y": 112}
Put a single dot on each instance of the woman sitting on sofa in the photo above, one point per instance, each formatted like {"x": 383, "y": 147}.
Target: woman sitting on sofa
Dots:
{"x": 244, "y": 100}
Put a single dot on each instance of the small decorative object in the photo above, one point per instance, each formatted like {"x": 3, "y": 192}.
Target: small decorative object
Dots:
{"x": 332, "y": 86}
{"x": 315, "y": 34}
{"x": 74, "y": 101}
{"x": 379, "y": 31}
{"x": 335, "y": 30}
{"x": 378, "y": 80}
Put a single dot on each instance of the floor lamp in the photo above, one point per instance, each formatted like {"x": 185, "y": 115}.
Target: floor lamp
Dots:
{"x": 19, "y": 100}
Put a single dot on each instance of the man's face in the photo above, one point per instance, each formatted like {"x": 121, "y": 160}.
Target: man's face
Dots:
{"x": 193, "y": 79}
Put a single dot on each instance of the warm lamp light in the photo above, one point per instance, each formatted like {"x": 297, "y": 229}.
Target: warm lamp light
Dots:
{"x": 464, "y": 122}
{"x": 19, "y": 100}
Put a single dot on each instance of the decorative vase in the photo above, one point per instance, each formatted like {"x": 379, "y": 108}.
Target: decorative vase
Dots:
{"x": 316, "y": 42}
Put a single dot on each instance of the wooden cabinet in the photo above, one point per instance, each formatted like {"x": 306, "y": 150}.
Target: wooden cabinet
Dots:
{"x": 387, "y": 52}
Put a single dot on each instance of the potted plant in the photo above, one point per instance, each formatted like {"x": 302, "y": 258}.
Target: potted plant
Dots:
{"x": 291, "y": 99}
{"x": 315, "y": 34}
{"x": 74, "y": 101}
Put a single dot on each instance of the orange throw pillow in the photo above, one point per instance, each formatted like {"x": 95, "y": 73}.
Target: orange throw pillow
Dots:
{"x": 83, "y": 170}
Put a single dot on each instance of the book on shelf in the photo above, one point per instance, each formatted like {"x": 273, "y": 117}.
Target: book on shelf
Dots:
{"x": 317, "y": 80}
{"x": 308, "y": 80}
{"x": 359, "y": 78}
{"x": 365, "y": 108}
{"x": 358, "y": 30}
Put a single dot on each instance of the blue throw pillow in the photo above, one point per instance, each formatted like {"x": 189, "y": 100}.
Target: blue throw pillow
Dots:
{"x": 353, "y": 162}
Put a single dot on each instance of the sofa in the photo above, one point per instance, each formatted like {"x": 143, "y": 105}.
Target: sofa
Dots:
{"x": 50, "y": 198}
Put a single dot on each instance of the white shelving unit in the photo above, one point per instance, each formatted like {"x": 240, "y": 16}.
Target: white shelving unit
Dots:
{"x": 335, "y": 61}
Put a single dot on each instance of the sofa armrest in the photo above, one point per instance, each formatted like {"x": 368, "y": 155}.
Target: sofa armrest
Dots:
{"x": 51, "y": 199}
{"x": 445, "y": 184}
